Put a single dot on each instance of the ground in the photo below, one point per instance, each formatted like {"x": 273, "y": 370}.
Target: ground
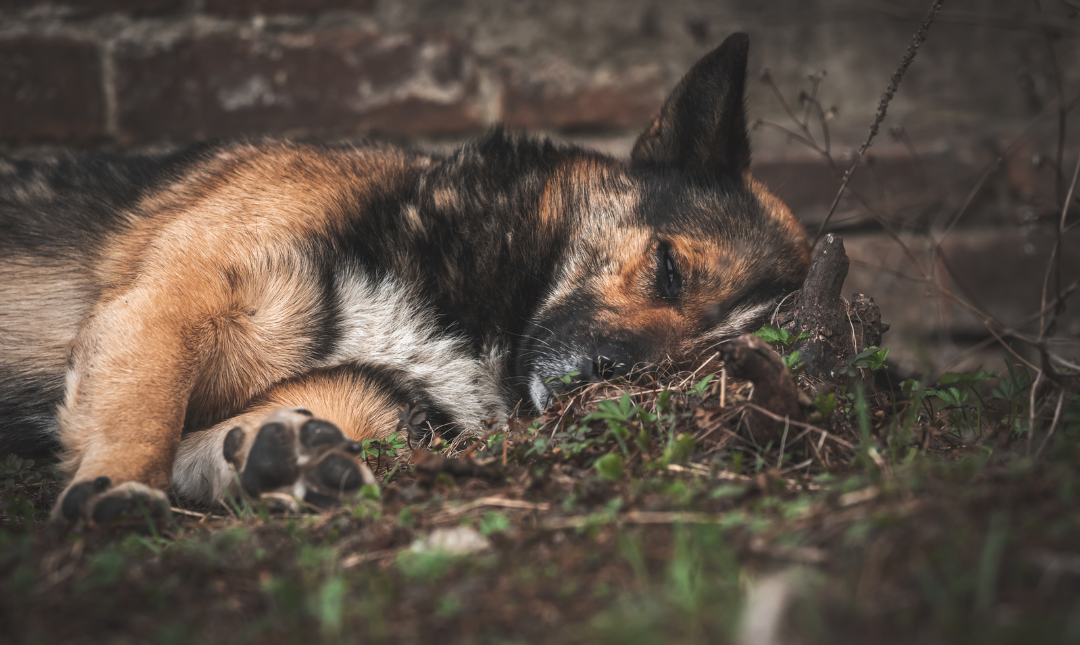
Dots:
{"x": 633, "y": 513}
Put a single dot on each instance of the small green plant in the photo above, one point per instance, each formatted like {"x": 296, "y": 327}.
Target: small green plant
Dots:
{"x": 368, "y": 503}
{"x": 701, "y": 386}
{"x": 14, "y": 474}
{"x": 952, "y": 397}
{"x": 538, "y": 447}
{"x": 619, "y": 416}
{"x": 876, "y": 360}
{"x": 14, "y": 469}
{"x": 793, "y": 363}
{"x": 782, "y": 337}
{"x": 331, "y": 605}
{"x": 567, "y": 379}
{"x": 494, "y": 522}
{"x": 678, "y": 449}
{"x": 406, "y": 517}
{"x": 663, "y": 401}
{"x": 376, "y": 448}
{"x": 610, "y": 466}
{"x": 825, "y": 403}
{"x": 866, "y": 448}
{"x": 495, "y": 440}
{"x": 727, "y": 490}
{"x": 966, "y": 379}
{"x": 425, "y": 565}
{"x": 608, "y": 515}
{"x": 872, "y": 358}
{"x": 1012, "y": 385}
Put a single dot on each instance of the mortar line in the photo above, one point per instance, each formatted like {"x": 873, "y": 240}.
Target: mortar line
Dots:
{"x": 108, "y": 88}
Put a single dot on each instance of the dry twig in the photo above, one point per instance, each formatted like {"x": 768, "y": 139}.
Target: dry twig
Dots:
{"x": 883, "y": 106}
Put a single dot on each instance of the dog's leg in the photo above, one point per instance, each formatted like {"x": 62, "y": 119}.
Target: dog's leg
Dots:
{"x": 188, "y": 346}
{"x": 127, "y": 390}
{"x": 299, "y": 439}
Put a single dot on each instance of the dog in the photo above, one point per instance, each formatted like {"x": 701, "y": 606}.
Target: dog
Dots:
{"x": 240, "y": 314}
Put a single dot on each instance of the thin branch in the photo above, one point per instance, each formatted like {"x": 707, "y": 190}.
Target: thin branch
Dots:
{"x": 1063, "y": 362}
{"x": 1031, "y": 408}
{"x": 793, "y": 135}
{"x": 1053, "y": 424}
{"x": 1055, "y": 68}
{"x": 799, "y": 424}
{"x": 1047, "y": 328}
{"x": 883, "y": 106}
{"x": 766, "y": 78}
{"x": 1011, "y": 333}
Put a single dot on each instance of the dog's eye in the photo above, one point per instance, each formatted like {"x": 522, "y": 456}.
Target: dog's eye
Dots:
{"x": 668, "y": 279}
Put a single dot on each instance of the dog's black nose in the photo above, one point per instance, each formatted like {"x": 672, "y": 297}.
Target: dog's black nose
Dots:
{"x": 607, "y": 362}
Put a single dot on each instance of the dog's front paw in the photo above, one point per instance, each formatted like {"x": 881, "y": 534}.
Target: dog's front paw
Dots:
{"x": 292, "y": 454}
{"x": 97, "y": 502}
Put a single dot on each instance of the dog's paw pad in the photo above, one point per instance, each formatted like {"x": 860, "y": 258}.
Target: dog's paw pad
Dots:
{"x": 97, "y": 502}
{"x": 317, "y": 434}
{"x": 272, "y": 460}
{"x": 297, "y": 455}
{"x": 338, "y": 473}
{"x": 75, "y": 501}
{"x": 135, "y": 505}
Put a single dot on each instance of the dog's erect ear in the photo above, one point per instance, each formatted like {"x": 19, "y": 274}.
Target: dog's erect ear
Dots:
{"x": 702, "y": 125}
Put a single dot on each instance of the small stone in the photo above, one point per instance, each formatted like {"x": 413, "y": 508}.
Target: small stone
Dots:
{"x": 458, "y": 540}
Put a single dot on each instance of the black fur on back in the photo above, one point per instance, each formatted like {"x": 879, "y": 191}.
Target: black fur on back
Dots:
{"x": 478, "y": 259}
{"x": 64, "y": 205}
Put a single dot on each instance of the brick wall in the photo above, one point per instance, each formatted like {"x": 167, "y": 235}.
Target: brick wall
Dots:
{"x": 130, "y": 73}
{"x": 974, "y": 110}
{"x": 136, "y": 72}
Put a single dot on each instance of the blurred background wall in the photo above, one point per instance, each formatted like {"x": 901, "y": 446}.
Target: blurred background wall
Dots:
{"x": 960, "y": 194}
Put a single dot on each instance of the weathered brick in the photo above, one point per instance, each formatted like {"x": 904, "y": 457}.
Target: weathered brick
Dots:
{"x": 50, "y": 90}
{"x": 895, "y": 184}
{"x": 239, "y": 8}
{"x": 1000, "y": 271}
{"x": 557, "y": 97}
{"x": 87, "y": 8}
{"x": 327, "y": 83}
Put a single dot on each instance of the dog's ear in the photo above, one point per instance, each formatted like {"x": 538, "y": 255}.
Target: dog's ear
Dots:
{"x": 702, "y": 125}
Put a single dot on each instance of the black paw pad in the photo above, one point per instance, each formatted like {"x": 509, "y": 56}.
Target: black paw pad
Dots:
{"x": 233, "y": 442}
{"x": 136, "y": 505}
{"x": 113, "y": 508}
{"x": 79, "y": 493}
{"x": 339, "y": 473}
{"x": 318, "y": 500}
{"x": 271, "y": 462}
{"x": 317, "y": 433}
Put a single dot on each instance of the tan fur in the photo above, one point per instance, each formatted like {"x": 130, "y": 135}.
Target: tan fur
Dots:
{"x": 168, "y": 317}
{"x": 43, "y": 305}
{"x": 352, "y": 402}
{"x": 355, "y": 404}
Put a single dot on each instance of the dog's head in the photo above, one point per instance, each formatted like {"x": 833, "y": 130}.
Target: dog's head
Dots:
{"x": 668, "y": 255}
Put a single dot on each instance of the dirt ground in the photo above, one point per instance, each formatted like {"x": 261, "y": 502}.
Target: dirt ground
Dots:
{"x": 634, "y": 513}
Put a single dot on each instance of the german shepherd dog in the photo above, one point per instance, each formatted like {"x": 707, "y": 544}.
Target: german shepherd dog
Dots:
{"x": 238, "y": 315}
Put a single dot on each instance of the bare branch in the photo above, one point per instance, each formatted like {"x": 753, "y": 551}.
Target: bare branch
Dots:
{"x": 883, "y": 106}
